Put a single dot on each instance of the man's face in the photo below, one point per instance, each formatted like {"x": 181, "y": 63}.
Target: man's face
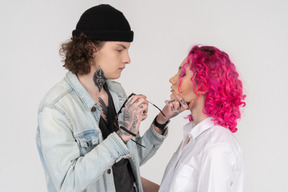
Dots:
{"x": 112, "y": 58}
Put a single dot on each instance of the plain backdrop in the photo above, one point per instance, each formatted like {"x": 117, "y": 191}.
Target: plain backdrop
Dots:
{"x": 254, "y": 33}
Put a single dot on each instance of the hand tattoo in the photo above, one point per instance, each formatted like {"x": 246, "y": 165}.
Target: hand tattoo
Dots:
{"x": 182, "y": 102}
{"x": 99, "y": 78}
{"x": 174, "y": 114}
{"x": 130, "y": 119}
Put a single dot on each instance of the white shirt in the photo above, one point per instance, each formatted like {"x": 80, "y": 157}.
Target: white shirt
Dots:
{"x": 211, "y": 161}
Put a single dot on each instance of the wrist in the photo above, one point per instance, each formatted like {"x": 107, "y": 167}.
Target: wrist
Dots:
{"x": 161, "y": 119}
{"x": 122, "y": 136}
{"x": 161, "y": 126}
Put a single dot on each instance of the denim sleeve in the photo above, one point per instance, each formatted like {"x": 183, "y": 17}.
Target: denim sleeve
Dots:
{"x": 68, "y": 170}
{"x": 152, "y": 141}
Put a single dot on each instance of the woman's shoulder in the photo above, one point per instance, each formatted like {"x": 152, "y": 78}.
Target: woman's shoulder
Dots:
{"x": 221, "y": 137}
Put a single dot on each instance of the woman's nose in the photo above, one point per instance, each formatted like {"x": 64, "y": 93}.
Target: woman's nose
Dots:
{"x": 172, "y": 79}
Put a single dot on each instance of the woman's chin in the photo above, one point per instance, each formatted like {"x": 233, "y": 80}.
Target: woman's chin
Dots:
{"x": 172, "y": 96}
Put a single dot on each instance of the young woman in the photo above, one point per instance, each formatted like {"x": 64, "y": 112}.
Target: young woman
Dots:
{"x": 209, "y": 159}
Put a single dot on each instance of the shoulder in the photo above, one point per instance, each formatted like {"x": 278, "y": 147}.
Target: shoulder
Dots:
{"x": 222, "y": 139}
{"x": 56, "y": 93}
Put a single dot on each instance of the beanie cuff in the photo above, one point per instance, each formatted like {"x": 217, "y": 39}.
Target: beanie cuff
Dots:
{"x": 126, "y": 36}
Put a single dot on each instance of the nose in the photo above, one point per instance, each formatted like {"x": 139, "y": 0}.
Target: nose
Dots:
{"x": 126, "y": 58}
{"x": 172, "y": 80}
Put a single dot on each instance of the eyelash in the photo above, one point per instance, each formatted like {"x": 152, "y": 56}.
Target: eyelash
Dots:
{"x": 184, "y": 73}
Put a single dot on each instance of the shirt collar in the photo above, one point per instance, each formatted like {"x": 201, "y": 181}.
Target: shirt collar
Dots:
{"x": 193, "y": 131}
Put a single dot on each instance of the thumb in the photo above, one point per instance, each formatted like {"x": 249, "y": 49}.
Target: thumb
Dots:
{"x": 191, "y": 103}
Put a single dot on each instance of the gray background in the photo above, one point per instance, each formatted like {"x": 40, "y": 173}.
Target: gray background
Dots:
{"x": 253, "y": 32}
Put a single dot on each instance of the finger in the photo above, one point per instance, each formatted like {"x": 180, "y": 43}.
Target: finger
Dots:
{"x": 169, "y": 102}
{"x": 142, "y": 112}
{"x": 143, "y": 108}
{"x": 169, "y": 106}
{"x": 141, "y": 101}
{"x": 135, "y": 98}
{"x": 176, "y": 105}
{"x": 182, "y": 102}
{"x": 146, "y": 110}
{"x": 191, "y": 104}
{"x": 140, "y": 96}
{"x": 144, "y": 116}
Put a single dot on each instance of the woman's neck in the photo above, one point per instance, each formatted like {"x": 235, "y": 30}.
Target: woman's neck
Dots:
{"x": 197, "y": 110}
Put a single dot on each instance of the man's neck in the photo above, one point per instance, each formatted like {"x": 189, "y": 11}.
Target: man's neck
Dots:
{"x": 88, "y": 83}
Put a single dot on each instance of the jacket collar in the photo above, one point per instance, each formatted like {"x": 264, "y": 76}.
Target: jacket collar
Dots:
{"x": 81, "y": 92}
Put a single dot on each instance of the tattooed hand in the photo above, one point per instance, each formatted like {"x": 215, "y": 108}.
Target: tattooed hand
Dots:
{"x": 135, "y": 111}
{"x": 172, "y": 109}
{"x": 99, "y": 78}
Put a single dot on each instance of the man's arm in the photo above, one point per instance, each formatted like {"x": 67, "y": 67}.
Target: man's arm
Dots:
{"x": 69, "y": 170}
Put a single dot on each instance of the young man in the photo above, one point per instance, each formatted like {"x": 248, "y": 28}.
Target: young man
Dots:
{"x": 87, "y": 134}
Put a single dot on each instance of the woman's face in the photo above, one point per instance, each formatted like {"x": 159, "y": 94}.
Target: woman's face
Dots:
{"x": 186, "y": 87}
{"x": 112, "y": 58}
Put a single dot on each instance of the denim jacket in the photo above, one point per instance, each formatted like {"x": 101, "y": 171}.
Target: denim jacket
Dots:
{"x": 70, "y": 144}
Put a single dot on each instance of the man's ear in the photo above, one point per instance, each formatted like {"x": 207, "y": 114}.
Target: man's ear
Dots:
{"x": 92, "y": 47}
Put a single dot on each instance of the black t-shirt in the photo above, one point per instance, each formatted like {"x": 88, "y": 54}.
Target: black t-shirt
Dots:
{"x": 122, "y": 171}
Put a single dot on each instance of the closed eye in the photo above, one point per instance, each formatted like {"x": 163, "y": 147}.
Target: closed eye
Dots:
{"x": 182, "y": 73}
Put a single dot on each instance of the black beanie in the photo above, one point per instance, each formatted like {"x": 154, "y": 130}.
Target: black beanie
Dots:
{"x": 104, "y": 23}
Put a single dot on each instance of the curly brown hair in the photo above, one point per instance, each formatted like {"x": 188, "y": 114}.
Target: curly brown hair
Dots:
{"x": 77, "y": 53}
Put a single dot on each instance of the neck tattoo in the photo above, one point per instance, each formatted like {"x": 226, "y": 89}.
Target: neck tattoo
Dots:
{"x": 99, "y": 78}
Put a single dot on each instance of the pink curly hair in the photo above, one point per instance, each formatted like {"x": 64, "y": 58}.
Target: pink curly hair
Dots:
{"x": 215, "y": 74}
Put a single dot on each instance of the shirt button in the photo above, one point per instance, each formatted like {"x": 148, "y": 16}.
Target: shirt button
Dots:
{"x": 93, "y": 109}
{"x": 109, "y": 171}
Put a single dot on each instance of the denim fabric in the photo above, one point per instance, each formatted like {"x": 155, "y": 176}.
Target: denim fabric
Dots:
{"x": 72, "y": 151}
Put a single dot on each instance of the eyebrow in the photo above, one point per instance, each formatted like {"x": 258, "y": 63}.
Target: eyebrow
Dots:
{"x": 123, "y": 46}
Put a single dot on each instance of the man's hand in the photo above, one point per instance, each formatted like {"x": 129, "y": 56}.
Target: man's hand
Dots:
{"x": 172, "y": 109}
{"x": 134, "y": 112}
